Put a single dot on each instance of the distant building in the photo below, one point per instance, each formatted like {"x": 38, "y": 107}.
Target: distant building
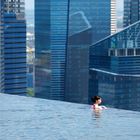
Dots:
{"x": 131, "y": 12}
{"x": 13, "y": 46}
{"x": 115, "y": 69}
{"x": 113, "y": 17}
{"x": 64, "y": 30}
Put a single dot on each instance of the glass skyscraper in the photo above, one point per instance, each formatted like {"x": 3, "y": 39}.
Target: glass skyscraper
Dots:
{"x": 64, "y": 30}
{"x": 131, "y": 12}
{"x": 13, "y": 47}
{"x": 115, "y": 69}
{"x": 1, "y": 53}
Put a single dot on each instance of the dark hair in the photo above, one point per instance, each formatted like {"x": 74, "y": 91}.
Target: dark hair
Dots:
{"x": 95, "y": 98}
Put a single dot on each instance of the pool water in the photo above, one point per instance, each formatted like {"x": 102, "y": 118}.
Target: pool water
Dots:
{"x": 25, "y": 118}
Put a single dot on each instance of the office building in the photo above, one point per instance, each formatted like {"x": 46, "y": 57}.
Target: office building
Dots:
{"x": 13, "y": 46}
{"x": 131, "y": 12}
{"x": 63, "y": 32}
{"x": 115, "y": 69}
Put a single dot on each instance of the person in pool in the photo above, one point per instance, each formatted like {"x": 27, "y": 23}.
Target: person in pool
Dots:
{"x": 96, "y": 102}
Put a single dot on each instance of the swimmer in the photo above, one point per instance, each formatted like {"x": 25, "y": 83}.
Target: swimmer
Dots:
{"x": 96, "y": 102}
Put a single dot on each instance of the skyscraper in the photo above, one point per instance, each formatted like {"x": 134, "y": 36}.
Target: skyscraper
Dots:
{"x": 1, "y": 53}
{"x": 63, "y": 31}
{"x": 113, "y": 17}
{"x": 115, "y": 68}
{"x": 13, "y": 46}
{"x": 131, "y": 12}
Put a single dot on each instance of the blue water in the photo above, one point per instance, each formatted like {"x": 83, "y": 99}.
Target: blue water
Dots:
{"x": 25, "y": 118}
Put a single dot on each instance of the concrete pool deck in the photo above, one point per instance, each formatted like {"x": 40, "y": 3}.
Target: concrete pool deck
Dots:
{"x": 26, "y": 118}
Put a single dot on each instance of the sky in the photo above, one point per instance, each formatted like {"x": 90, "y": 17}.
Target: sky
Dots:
{"x": 29, "y": 4}
{"x": 119, "y": 4}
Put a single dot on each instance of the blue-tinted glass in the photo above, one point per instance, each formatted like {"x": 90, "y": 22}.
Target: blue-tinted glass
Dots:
{"x": 64, "y": 31}
{"x": 13, "y": 47}
{"x": 115, "y": 68}
{"x": 131, "y": 11}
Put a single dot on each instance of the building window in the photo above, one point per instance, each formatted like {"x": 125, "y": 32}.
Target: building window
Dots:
{"x": 137, "y": 51}
{"x": 112, "y": 52}
{"x": 121, "y": 52}
{"x": 130, "y": 52}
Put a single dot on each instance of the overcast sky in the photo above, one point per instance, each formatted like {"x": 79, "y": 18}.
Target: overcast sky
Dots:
{"x": 120, "y": 4}
{"x": 30, "y": 4}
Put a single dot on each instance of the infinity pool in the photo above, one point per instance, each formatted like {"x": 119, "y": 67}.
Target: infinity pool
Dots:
{"x": 25, "y": 118}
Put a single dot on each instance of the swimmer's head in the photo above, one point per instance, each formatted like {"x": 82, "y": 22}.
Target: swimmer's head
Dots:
{"x": 96, "y": 99}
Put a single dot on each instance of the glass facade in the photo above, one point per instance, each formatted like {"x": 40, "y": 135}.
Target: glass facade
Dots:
{"x": 115, "y": 68}
{"x": 63, "y": 32}
{"x": 1, "y": 53}
{"x": 131, "y": 12}
{"x": 51, "y": 19}
{"x": 88, "y": 23}
{"x": 42, "y": 48}
{"x": 13, "y": 47}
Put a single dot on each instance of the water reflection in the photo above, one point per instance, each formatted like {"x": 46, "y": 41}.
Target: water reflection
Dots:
{"x": 96, "y": 114}
{"x": 96, "y": 117}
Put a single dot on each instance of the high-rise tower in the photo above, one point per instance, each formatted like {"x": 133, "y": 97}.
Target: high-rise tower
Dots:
{"x": 113, "y": 17}
{"x": 13, "y": 46}
{"x": 131, "y": 12}
{"x": 64, "y": 30}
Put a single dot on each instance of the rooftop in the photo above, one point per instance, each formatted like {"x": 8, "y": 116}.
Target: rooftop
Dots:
{"x": 26, "y": 118}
